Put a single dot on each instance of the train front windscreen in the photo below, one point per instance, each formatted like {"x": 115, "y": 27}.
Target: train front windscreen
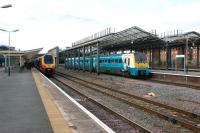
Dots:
{"x": 48, "y": 59}
{"x": 140, "y": 57}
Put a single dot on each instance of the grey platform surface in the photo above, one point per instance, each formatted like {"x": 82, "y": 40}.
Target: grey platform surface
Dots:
{"x": 177, "y": 72}
{"x": 21, "y": 108}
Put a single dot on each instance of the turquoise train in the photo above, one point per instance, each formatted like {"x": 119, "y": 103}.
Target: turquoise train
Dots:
{"x": 133, "y": 64}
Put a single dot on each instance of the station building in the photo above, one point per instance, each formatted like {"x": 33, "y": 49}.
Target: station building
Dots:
{"x": 17, "y": 58}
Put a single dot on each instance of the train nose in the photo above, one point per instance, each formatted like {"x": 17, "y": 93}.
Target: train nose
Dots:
{"x": 49, "y": 70}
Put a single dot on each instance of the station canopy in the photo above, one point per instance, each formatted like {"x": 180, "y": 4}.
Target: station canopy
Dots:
{"x": 27, "y": 55}
{"x": 132, "y": 38}
{"x": 180, "y": 39}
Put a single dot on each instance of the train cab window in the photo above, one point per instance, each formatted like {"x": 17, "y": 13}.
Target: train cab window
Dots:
{"x": 128, "y": 61}
{"x": 140, "y": 57}
{"x": 48, "y": 59}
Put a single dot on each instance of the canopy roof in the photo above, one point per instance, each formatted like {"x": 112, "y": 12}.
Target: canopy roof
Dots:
{"x": 28, "y": 54}
{"x": 131, "y": 38}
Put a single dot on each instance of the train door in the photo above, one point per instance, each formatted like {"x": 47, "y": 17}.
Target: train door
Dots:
{"x": 127, "y": 61}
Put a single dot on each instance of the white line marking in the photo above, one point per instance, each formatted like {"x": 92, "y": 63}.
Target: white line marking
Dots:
{"x": 195, "y": 76}
{"x": 104, "y": 126}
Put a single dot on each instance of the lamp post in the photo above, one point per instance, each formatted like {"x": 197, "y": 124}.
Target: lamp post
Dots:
{"x": 9, "y": 47}
{"x": 6, "y": 6}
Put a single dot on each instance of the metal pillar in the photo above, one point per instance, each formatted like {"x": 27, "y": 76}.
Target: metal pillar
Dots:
{"x": 71, "y": 60}
{"x": 167, "y": 56}
{"x": 186, "y": 57}
{"x": 65, "y": 57}
{"x": 90, "y": 58}
{"x": 83, "y": 58}
{"x": 5, "y": 63}
{"x": 183, "y": 53}
{"x": 9, "y": 57}
{"x": 159, "y": 62}
{"x": 57, "y": 56}
{"x": 78, "y": 58}
{"x": 20, "y": 61}
{"x": 74, "y": 59}
{"x": 151, "y": 57}
{"x": 198, "y": 56}
{"x": 67, "y": 65}
{"x": 98, "y": 51}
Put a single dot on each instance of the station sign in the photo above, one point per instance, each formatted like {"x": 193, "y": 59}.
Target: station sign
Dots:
{"x": 180, "y": 56}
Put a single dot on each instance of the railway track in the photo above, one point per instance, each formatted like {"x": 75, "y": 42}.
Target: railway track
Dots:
{"x": 175, "y": 115}
{"x": 134, "y": 125}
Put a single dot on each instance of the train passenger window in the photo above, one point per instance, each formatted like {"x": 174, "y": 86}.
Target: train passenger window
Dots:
{"x": 108, "y": 60}
{"x": 112, "y": 61}
{"x": 116, "y": 61}
{"x": 120, "y": 60}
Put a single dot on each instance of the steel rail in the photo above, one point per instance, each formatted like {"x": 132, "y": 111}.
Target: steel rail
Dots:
{"x": 192, "y": 115}
{"x": 187, "y": 124}
{"x": 130, "y": 122}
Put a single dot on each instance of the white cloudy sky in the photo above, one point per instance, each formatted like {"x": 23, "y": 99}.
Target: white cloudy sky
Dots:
{"x": 50, "y": 23}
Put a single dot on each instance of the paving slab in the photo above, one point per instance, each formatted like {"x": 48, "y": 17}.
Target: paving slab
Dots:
{"x": 21, "y": 108}
{"x": 77, "y": 120}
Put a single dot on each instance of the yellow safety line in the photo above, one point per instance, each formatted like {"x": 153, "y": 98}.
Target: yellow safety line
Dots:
{"x": 58, "y": 123}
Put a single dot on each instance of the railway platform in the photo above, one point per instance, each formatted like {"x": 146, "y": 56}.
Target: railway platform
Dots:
{"x": 75, "y": 116}
{"x": 21, "y": 108}
{"x": 29, "y": 102}
{"x": 189, "y": 78}
{"x": 2, "y": 69}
